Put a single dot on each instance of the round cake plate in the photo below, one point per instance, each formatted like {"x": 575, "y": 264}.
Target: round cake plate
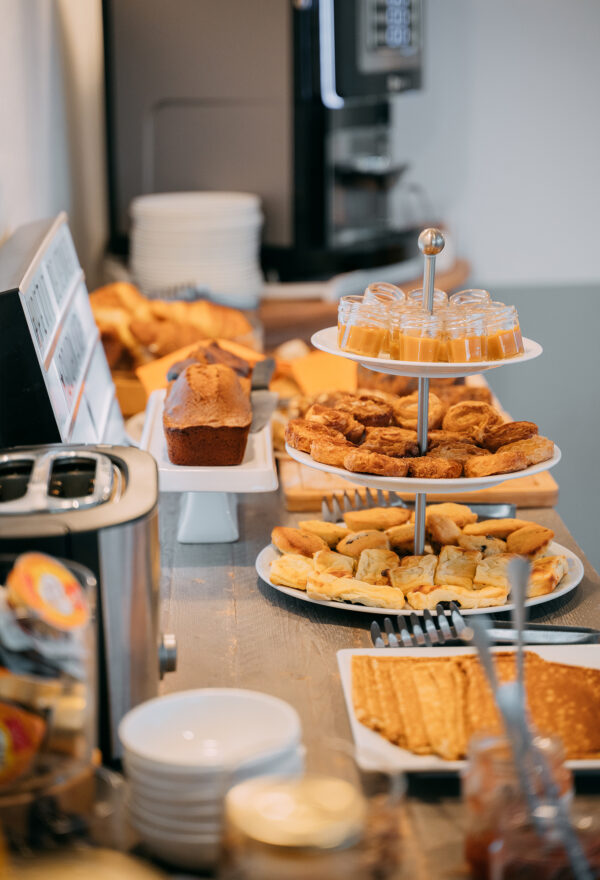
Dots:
{"x": 569, "y": 582}
{"x": 326, "y": 340}
{"x": 412, "y": 484}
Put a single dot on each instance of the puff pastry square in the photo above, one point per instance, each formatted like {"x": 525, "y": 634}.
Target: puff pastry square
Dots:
{"x": 413, "y": 572}
{"x": 373, "y": 566}
{"x": 442, "y": 529}
{"x": 428, "y": 597}
{"x": 531, "y": 541}
{"x": 333, "y": 563}
{"x": 546, "y": 574}
{"x": 369, "y": 539}
{"x": 487, "y": 546}
{"x": 291, "y": 570}
{"x": 457, "y": 567}
{"x": 492, "y": 572}
{"x": 325, "y": 586}
{"x": 331, "y": 533}
{"x": 376, "y": 518}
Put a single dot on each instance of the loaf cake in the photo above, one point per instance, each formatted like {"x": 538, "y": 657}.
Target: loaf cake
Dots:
{"x": 207, "y": 416}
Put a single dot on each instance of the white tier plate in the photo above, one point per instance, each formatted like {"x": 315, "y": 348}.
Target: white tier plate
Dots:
{"x": 256, "y": 473}
{"x": 326, "y": 340}
{"x": 373, "y": 752}
{"x": 411, "y": 484}
{"x": 568, "y": 583}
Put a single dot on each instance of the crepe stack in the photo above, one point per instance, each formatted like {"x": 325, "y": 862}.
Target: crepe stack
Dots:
{"x": 434, "y": 706}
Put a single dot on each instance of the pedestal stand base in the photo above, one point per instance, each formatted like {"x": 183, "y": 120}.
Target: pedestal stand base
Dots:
{"x": 208, "y": 518}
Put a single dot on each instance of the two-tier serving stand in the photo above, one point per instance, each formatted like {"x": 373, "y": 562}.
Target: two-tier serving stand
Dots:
{"x": 431, "y": 243}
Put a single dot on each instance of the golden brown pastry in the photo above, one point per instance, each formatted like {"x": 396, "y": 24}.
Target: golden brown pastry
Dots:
{"x": 340, "y": 421}
{"x": 535, "y": 449}
{"x": 291, "y": 570}
{"x": 472, "y": 417}
{"x": 496, "y": 463}
{"x": 495, "y": 528}
{"x": 493, "y": 572}
{"x": 402, "y": 537}
{"x": 328, "y": 452}
{"x": 442, "y": 529}
{"x": 510, "y": 432}
{"x": 460, "y": 513}
{"x": 360, "y": 462}
{"x": 290, "y": 540}
{"x": 459, "y": 393}
{"x": 545, "y": 575}
{"x": 373, "y": 566}
{"x": 456, "y": 567}
{"x": 428, "y": 597}
{"x": 326, "y": 587}
{"x": 330, "y": 562}
{"x": 371, "y": 413}
{"x": 376, "y": 518}
{"x": 406, "y": 411}
{"x": 413, "y": 572}
{"x": 397, "y": 442}
{"x": 431, "y": 468}
{"x": 487, "y": 546}
{"x": 530, "y": 541}
{"x": 439, "y": 437}
{"x": 456, "y": 451}
{"x": 300, "y": 433}
{"x": 368, "y": 539}
{"x": 331, "y": 533}
{"x": 377, "y": 395}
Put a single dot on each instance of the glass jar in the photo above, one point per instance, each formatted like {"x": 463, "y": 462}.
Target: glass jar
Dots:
{"x": 464, "y": 335}
{"x": 384, "y": 293}
{"x": 414, "y": 299}
{"x": 345, "y": 305}
{"x": 421, "y": 336}
{"x": 503, "y": 332}
{"x": 491, "y": 788}
{"x": 473, "y": 296}
{"x": 366, "y": 330}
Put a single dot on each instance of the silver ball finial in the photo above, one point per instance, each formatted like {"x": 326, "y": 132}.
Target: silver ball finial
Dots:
{"x": 431, "y": 242}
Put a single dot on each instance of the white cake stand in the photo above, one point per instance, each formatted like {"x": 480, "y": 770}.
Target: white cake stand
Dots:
{"x": 208, "y": 510}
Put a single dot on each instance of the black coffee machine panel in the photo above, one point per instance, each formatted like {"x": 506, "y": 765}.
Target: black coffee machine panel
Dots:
{"x": 289, "y": 99}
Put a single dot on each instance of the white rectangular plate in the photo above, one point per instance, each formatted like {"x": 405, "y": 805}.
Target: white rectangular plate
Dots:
{"x": 373, "y": 752}
{"x": 256, "y": 473}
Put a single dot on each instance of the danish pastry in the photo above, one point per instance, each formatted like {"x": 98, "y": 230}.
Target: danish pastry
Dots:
{"x": 330, "y": 562}
{"x": 371, "y": 413}
{"x": 291, "y": 570}
{"x": 459, "y": 393}
{"x": 530, "y": 541}
{"x": 428, "y": 597}
{"x": 300, "y": 434}
{"x": 326, "y": 587}
{"x": 328, "y": 452}
{"x": 406, "y": 411}
{"x": 368, "y": 539}
{"x": 442, "y": 529}
{"x": 495, "y": 528}
{"x": 432, "y": 468}
{"x": 487, "y": 546}
{"x": 535, "y": 449}
{"x": 495, "y": 463}
{"x": 510, "y": 432}
{"x": 331, "y": 533}
{"x": 290, "y": 540}
{"x": 460, "y": 513}
{"x": 413, "y": 572}
{"x": 545, "y": 575}
{"x": 365, "y": 462}
{"x": 373, "y": 566}
{"x": 393, "y": 441}
{"x": 439, "y": 437}
{"x": 340, "y": 421}
{"x": 493, "y": 572}
{"x": 456, "y": 567}
{"x": 376, "y": 518}
{"x": 456, "y": 451}
{"x": 472, "y": 417}
{"x": 402, "y": 537}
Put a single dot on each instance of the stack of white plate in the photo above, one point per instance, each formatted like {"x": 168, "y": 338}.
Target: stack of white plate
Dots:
{"x": 208, "y": 240}
{"x": 182, "y": 753}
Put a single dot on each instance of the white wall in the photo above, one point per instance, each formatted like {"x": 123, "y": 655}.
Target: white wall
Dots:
{"x": 51, "y": 119}
{"x": 510, "y": 124}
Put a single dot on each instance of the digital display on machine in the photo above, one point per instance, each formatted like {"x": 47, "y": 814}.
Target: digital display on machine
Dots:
{"x": 392, "y": 24}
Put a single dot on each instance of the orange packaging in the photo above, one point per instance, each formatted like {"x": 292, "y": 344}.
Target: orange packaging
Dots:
{"x": 21, "y": 735}
{"x": 45, "y": 589}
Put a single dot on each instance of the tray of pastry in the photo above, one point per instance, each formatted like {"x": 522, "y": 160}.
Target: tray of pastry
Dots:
{"x": 415, "y": 709}
{"x": 326, "y": 340}
{"x": 365, "y": 563}
{"x": 256, "y": 473}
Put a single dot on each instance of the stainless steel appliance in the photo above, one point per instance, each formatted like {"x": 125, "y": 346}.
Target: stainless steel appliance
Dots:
{"x": 285, "y": 98}
{"x": 97, "y": 505}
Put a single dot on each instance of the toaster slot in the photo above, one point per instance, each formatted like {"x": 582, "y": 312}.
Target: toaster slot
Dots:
{"x": 72, "y": 478}
{"x": 14, "y": 479}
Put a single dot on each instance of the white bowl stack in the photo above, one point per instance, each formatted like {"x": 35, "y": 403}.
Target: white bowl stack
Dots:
{"x": 208, "y": 240}
{"x": 182, "y": 753}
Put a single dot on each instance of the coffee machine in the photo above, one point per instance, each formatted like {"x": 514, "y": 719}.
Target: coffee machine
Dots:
{"x": 289, "y": 99}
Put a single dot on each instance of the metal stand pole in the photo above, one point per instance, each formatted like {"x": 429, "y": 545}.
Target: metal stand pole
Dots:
{"x": 431, "y": 243}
